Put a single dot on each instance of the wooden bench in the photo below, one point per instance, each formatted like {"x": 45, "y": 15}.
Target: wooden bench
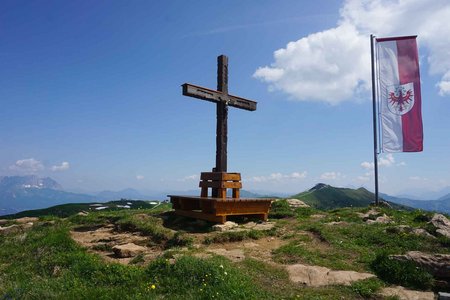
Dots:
{"x": 218, "y": 206}
{"x": 216, "y": 209}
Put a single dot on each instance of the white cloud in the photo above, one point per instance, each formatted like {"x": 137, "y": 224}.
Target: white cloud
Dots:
{"x": 326, "y": 66}
{"x": 28, "y": 165}
{"x": 444, "y": 84}
{"x": 386, "y": 161}
{"x": 62, "y": 167}
{"x": 190, "y": 177}
{"x": 367, "y": 165}
{"x": 331, "y": 175}
{"x": 278, "y": 177}
{"x": 140, "y": 177}
{"x": 334, "y": 65}
{"x": 363, "y": 178}
{"x": 417, "y": 178}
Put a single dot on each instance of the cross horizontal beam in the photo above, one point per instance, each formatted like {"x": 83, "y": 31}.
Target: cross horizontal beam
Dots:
{"x": 217, "y": 97}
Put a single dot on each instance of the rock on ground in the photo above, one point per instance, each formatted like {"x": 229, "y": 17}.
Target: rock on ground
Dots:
{"x": 436, "y": 264}
{"x": 295, "y": 203}
{"x": 411, "y": 230}
{"x": 128, "y": 250}
{"x": 25, "y": 220}
{"x": 404, "y": 294}
{"x": 10, "y": 229}
{"x": 321, "y": 276}
{"x": 228, "y": 225}
{"x": 259, "y": 226}
{"x": 384, "y": 219}
{"x": 442, "y": 224}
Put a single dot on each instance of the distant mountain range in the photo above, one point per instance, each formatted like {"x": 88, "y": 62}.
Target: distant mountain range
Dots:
{"x": 442, "y": 204}
{"x": 19, "y": 193}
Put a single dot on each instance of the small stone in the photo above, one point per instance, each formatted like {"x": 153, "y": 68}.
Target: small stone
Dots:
{"x": 228, "y": 225}
{"x": 384, "y": 219}
{"x": 443, "y": 296}
{"x": 128, "y": 250}
{"x": 337, "y": 223}
{"x": 317, "y": 216}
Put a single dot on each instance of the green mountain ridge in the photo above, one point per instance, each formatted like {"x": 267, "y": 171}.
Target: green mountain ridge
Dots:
{"x": 324, "y": 196}
{"x": 69, "y": 209}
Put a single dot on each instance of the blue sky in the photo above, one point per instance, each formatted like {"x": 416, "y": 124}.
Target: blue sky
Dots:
{"x": 90, "y": 92}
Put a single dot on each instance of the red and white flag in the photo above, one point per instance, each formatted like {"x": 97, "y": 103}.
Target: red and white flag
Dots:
{"x": 399, "y": 94}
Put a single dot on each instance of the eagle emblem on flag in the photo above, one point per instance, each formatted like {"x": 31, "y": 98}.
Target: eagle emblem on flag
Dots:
{"x": 400, "y": 98}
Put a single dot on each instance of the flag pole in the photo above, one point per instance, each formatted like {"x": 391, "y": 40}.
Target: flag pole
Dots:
{"x": 375, "y": 139}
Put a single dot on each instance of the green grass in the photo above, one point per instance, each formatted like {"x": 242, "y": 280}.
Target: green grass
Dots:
{"x": 405, "y": 273}
{"x": 45, "y": 263}
{"x": 354, "y": 245}
{"x": 237, "y": 236}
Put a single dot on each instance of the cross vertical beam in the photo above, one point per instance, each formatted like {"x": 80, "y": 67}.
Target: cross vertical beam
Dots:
{"x": 222, "y": 115}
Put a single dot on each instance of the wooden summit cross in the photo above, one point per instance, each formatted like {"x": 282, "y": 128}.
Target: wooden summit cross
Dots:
{"x": 223, "y": 100}
{"x": 217, "y": 206}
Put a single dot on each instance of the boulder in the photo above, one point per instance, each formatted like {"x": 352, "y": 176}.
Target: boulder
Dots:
{"x": 437, "y": 265}
{"x": 228, "y": 225}
{"x": 404, "y": 294}
{"x": 3, "y": 222}
{"x": 422, "y": 232}
{"x": 82, "y": 213}
{"x": 321, "y": 276}
{"x": 295, "y": 203}
{"x": 442, "y": 224}
{"x": 384, "y": 219}
{"x": 128, "y": 250}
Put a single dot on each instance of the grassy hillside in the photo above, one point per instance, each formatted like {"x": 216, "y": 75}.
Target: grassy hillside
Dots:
{"x": 323, "y": 196}
{"x": 182, "y": 258}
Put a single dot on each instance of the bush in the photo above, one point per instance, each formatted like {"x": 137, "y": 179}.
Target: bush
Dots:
{"x": 405, "y": 273}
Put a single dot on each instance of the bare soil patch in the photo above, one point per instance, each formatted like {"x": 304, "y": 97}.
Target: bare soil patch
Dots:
{"x": 101, "y": 240}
